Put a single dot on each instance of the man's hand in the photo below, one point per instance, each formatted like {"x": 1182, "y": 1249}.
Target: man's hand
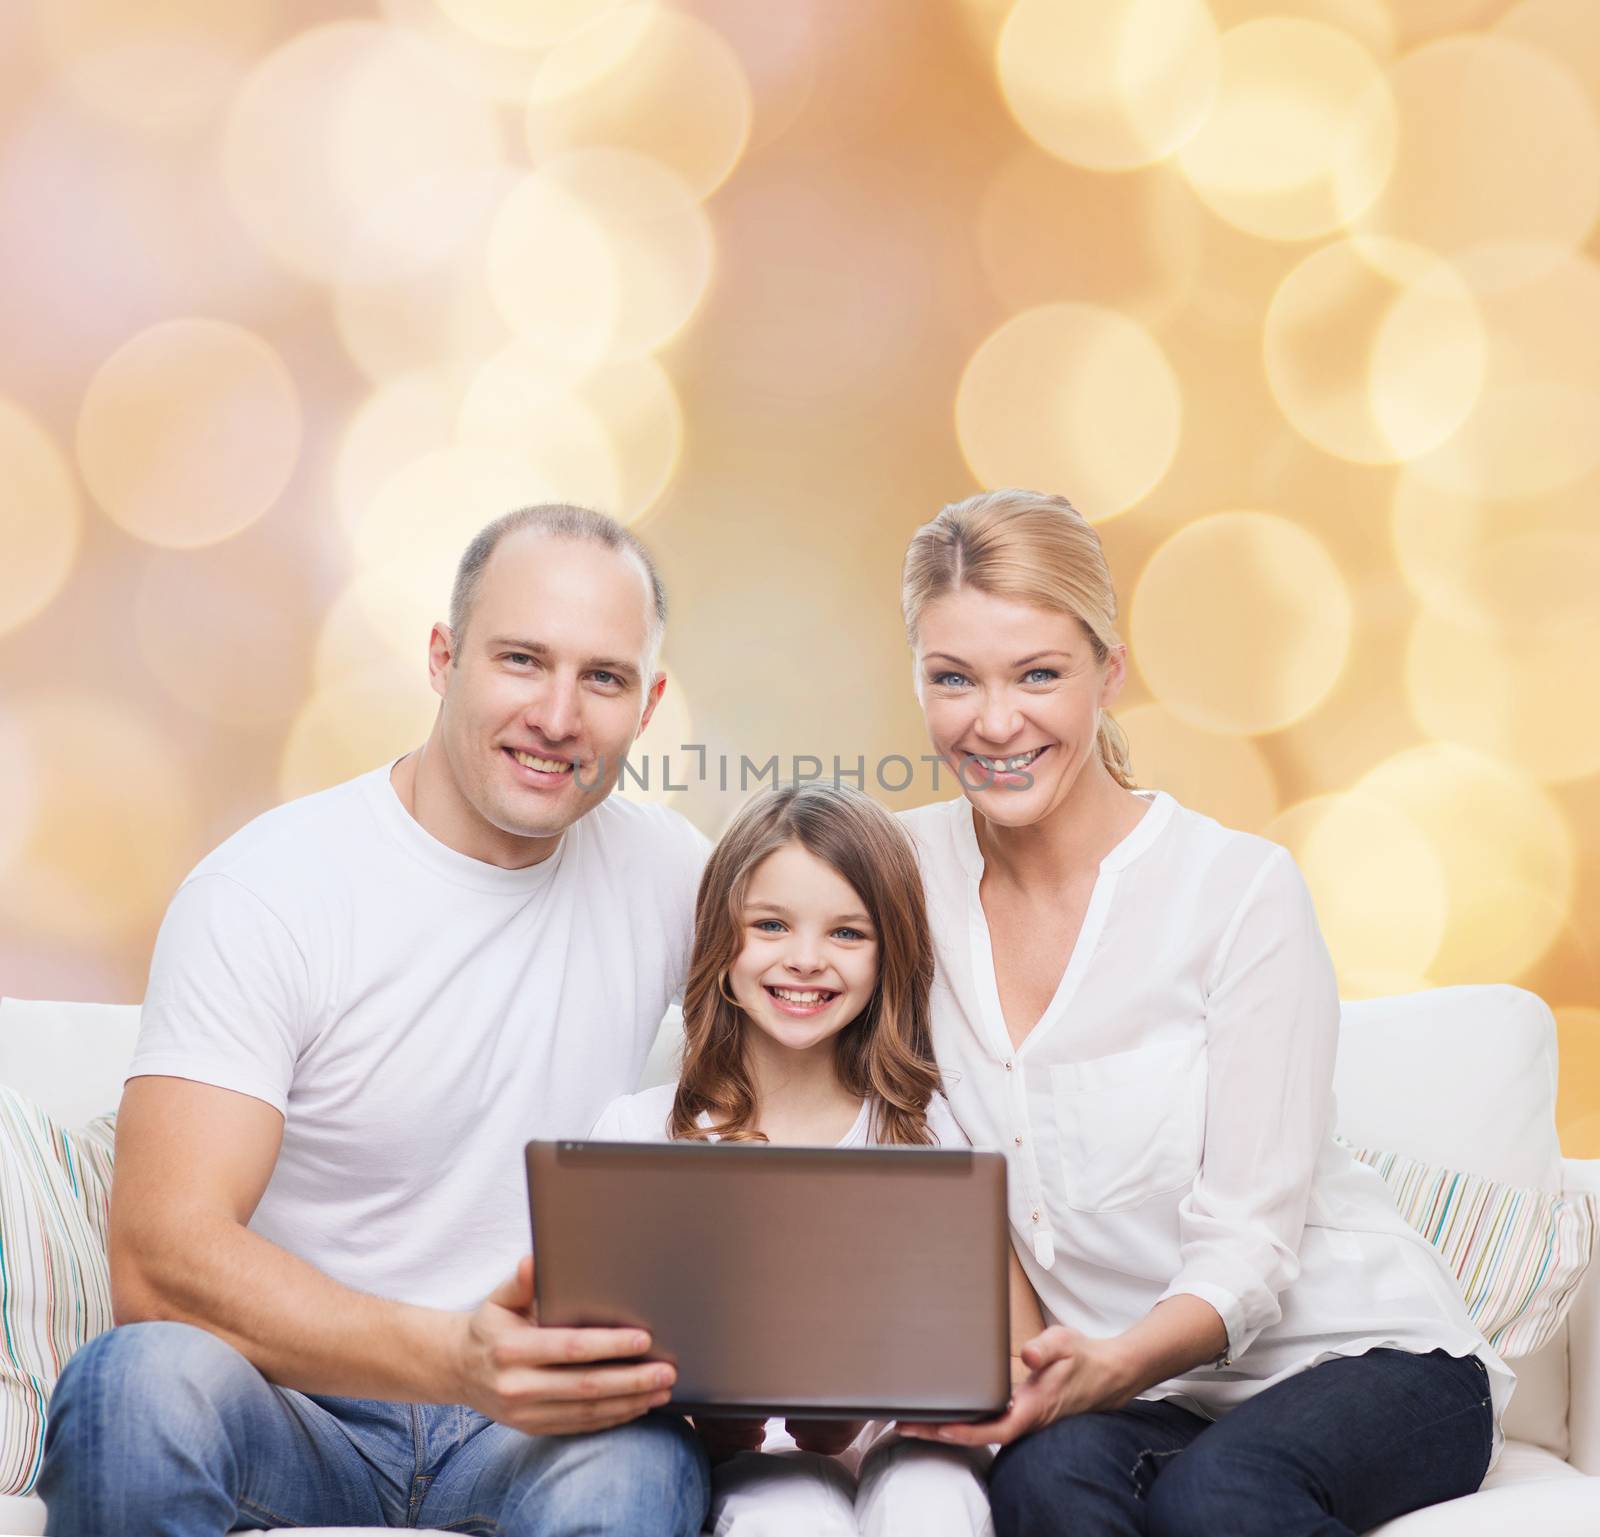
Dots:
{"x": 553, "y": 1381}
{"x": 830, "y": 1437}
{"x": 723, "y": 1439}
{"x": 1068, "y": 1373}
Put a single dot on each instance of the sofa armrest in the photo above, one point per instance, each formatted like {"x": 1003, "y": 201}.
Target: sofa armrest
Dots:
{"x": 1583, "y": 1337}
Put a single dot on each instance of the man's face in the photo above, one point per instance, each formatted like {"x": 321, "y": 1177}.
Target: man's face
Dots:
{"x": 546, "y": 691}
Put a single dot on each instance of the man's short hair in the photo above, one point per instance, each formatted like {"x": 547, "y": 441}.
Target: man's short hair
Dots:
{"x": 558, "y": 520}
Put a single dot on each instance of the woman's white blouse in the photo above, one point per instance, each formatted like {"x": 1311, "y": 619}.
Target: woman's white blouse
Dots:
{"x": 1169, "y": 1120}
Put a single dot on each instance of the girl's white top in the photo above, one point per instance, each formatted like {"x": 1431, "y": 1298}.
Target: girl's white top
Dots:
{"x": 1169, "y": 1119}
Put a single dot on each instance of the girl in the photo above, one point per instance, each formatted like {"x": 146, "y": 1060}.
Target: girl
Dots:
{"x": 806, "y": 1022}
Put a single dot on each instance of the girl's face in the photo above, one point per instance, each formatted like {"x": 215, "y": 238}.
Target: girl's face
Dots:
{"x": 1012, "y": 696}
{"x": 810, "y": 956}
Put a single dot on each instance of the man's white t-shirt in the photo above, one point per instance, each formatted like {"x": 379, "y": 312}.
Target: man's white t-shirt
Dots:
{"x": 417, "y": 1016}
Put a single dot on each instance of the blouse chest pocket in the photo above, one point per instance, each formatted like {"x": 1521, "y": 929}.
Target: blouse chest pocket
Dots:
{"x": 1131, "y": 1125}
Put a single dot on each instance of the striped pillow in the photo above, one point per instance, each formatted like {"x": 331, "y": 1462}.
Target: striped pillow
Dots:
{"x": 1518, "y": 1254}
{"x": 55, "y": 1290}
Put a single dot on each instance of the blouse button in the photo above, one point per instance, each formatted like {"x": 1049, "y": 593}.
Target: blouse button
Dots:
{"x": 1008, "y": 1067}
{"x": 1036, "y": 1216}
{"x": 1018, "y": 1141}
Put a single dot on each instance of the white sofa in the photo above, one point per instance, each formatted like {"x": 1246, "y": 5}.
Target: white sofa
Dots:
{"x": 1461, "y": 1076}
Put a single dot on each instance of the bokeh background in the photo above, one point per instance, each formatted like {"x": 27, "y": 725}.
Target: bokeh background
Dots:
{"x": 1297, "y": 299}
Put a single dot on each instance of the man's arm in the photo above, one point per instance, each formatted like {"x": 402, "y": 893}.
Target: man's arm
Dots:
{"x": 192, "y": 1162}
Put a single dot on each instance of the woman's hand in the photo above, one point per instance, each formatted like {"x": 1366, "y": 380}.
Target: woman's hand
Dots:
{"x": 830, "y": 1437}
{"x": 723, "y": 1439}
{"x": 1068, "y": 1373}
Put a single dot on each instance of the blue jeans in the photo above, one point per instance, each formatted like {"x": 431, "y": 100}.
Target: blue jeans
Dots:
{"x": 164, "y": 1430}
{"x": 1338, "y": 1449}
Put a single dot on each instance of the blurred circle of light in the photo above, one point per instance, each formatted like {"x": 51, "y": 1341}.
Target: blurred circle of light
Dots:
{"x": 1504, "y": 846}
{"x": 357, "y": 723}
{"x": 1241, "y": 622}
{"x": 18, "y": 788}
{"x": 636, "y": 404}
{"x": 601, "y": 254}
{"x": 1577, "y": 1117}
{"x": 106, "y": 847}
{"x": 670, "y": 727}
{"x": 1109, "y": 84}
{"x": 331, "y": 125}
{"x": 413, "y": 291}
{"x": 1367, "y": 21}
{"x": 1350, "y": 846}
{"x": 1504, "y": 681}
{"x": 189, "y": 432}
{"x": 1567, "y": 31}
{"x": 525, "y": 425}
{"x": 226, "y": 632}
{"x": 525, "y": 23}
{"x": 1499, "y": 204}
{"x": 156, "y": 69}
{"x": 404, "y": 418}
{"x": 1285, "y": 127}
{"x": 1073, "y": 398}
{"x": 39, "y": 518}
{"x": 1224, "y": 776}
{"x": 650, "y": 79}
{"x": 493, "y": 71}
{"x": 1374, "y": 350}
{"x": 1535, "y": 424}
{"x": 1146, "y": 249}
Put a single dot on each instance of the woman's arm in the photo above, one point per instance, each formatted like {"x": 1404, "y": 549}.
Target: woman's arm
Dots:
{"x": 1027, "y": 1322}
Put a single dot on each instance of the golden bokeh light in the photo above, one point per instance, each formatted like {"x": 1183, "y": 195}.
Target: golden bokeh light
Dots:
{"x": 1379, "y": 887}
{"x": 531, "y": 439}
{"x": 189, "y": 432}
{"x": 649, "y": 79}
{"x": 104, "y": 851}
{"x": 157, "y": 69}
{"x": 635, "y": 403}
{"x": 1505, "y": 848}
{"x": 525, "y": 23}
{"x": 403, "y": 419}
{"x": 1497, "y": 671}
{"x": 1047, "y": 230}
{"x": 1298, "y": 140}
{"x": 1367, "y": 21}
{"x": 332, "y": 126}
{"x": 1495, "y": 203}
{"x": 414, "y": 293}
{"x": 18, "y": 788}
{"x": 351, "y": 726}
{"x": 1075, "y": 398}
{"x": 39, "y": 518}
{"x": 1534, "y": 426}
{"x": 227, "y": 631}
{"x": 1226, "y": 777}
{"x": 1374, "y": 350}
{"x": 1109, "y": 84}
{"x": 1240, "y": 622}
{"x": 1578, "y": 1034}
{"x": 496, "y": 72}
{"x": 1567, "y": 31}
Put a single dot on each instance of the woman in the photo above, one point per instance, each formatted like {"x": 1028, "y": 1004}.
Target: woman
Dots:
{"x": 1137, "y": 1005}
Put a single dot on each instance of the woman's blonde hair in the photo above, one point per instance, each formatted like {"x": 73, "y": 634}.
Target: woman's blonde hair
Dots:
{"x": 1032, "y": 548}
{"x": 887, "y": 1050}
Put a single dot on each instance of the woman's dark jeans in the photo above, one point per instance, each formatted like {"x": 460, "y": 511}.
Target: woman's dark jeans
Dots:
{"x": 1332, "y": 1451}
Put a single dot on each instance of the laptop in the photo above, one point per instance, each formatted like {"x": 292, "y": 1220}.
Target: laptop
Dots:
{"x": 823, "y": 1283}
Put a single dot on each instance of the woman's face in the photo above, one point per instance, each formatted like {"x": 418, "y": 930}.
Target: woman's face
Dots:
{"x": 810, "y": 957}
{"x": 1012, "y": 695}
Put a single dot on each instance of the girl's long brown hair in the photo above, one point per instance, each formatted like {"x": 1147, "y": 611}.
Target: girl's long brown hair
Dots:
{"x": 887, "y": 1050}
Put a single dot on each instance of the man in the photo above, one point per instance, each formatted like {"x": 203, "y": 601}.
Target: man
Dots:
{"x": 360, "y": 1007}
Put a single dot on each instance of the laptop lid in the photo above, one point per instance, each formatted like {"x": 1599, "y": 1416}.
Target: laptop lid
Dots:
{"x": 860, "y": 1283}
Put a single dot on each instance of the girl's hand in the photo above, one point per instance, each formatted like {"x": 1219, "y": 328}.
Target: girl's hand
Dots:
{"x": 1068, "y": 1373}
{"x": 830, "y": 1437}
{"x": 723, "y": 1439}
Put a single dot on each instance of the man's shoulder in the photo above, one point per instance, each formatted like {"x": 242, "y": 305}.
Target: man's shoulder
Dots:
{"x": 300, "y": 844}
{"x": 641, "y": 827}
